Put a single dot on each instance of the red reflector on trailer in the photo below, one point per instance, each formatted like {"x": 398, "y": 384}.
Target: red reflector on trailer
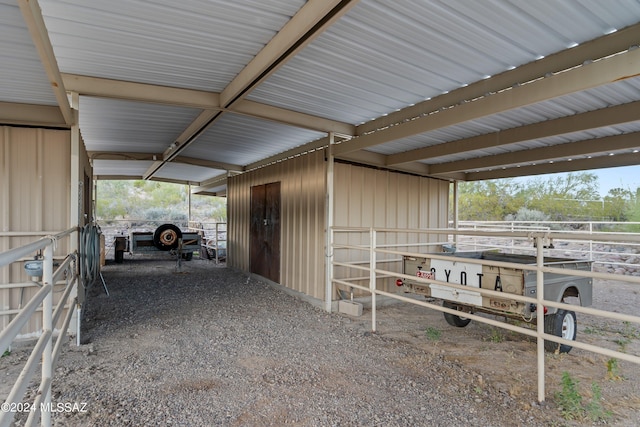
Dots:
{"x": 399, "y": 282}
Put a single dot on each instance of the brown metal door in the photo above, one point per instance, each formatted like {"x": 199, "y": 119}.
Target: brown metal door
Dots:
{"x": 265, "y": 231}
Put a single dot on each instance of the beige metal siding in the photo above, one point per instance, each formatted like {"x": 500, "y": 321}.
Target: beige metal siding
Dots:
{"x": 367, "y": 197}
{"x": 303, "y": 192}
{"x": 364, "y": 197}
{"x": 34, "y": 197}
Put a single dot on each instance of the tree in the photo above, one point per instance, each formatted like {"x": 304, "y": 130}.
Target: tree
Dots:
{"x": 617, "y": 204}
{"x": 154, "y": 200}
{"x": 572, "y": 196}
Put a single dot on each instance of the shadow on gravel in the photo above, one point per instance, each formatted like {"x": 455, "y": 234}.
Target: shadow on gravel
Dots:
{"x": 209, "y": 346}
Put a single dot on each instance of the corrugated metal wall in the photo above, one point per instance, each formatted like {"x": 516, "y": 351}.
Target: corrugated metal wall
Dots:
{"x": 363, "y": 197}
{"x": 302, "y": 220}
{"x": 385, "y": 199}
{"x": 34, "y": 197}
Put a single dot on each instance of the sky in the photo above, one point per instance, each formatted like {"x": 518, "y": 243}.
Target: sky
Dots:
{"x": 626, "y": 177}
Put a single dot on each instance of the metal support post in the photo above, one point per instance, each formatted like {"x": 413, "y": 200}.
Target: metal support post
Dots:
{"x": 329, "y": 228}
{"x": 47, "y": 327}
{"x": 540, "y": 318}
{"x": 372, "y": 276}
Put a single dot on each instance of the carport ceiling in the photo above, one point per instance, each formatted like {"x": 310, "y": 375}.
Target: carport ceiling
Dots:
{"x": 192, "y": 91}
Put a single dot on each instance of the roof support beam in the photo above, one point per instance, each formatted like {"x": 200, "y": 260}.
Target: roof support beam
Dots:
{"x": 118, "y": 89}
{"x": 289, "y": 117}
{"x": 629, "y": 159}
{"x": 142, "y": 92}
{"x": 378, "y": 160}
{"x": 598, "y": 146}
{"x": 208, "y": 164}
{"x": 32, "y": 15}
{"x": 590, "y": 120}
{"x": 601, "y": 72}
{"x": 109, "y": 155}
{"x": 591, "y": 50}
{"x": 216, "y": 181}
{"x": 310, "y": 21}
{"x": 312, "y": 146}
{"x": 31, "y": 115}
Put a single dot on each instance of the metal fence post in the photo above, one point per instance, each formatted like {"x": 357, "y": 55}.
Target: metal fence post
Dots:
{"x": 540, "y": 317}
{"x": 372, "y": 276}
{"x": 47, "y": 325}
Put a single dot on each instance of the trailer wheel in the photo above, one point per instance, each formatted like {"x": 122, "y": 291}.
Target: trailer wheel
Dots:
{"x": 166, "y": 237}
{"x": 562, "y": 324}
{"x": 452, "y": 319}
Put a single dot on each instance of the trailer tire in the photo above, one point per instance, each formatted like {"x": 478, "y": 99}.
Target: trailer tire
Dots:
{"x": 562, "y": 324}
{"x": 452, "y": 319}
{"x": 166, "y": 237}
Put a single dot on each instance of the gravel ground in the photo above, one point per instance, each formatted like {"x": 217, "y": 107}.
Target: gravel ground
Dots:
{"x": 208, "y": 346}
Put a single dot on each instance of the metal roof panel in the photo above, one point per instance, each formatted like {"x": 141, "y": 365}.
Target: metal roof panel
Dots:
{"x": 23, "y": 77}
{"x": 197, "y": 44}
{"x": 141, "y": 127}
{"x": 242, "y": 140}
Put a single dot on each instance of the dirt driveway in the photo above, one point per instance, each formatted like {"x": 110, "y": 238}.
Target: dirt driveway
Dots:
{"x": 210, "y": 346}
{"x": 507, "y": 360}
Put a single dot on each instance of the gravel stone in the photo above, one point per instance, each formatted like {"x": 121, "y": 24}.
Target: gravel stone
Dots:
{"x": 210, "y": 347}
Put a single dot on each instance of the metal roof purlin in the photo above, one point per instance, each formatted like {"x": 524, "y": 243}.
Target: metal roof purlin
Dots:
{"x": 32, "y": 115}
{"x": 144, "y": 92}
{"x": 303, "y": 27}
{"x": 593, "y": 119}
{"x": 598, "y": 48}
{"x": 606, "y": 70}
{"x": 628, "y": 159}
{"x": 33, "y": 19}
{"x": 596, "y": 146}
{"x": 310, "y": 21}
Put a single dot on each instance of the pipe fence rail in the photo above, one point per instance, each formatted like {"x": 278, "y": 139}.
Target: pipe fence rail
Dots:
{"x": 617, "y": 254}
{"x": 369, "y": 260}
{"x": 46, "y": 350}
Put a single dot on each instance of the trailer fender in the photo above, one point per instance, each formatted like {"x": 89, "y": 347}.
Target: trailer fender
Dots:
{"x": 568, "y": 294}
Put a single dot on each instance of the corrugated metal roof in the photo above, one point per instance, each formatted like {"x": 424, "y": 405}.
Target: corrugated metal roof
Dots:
{"x": 593, "y": 99}
{"x": 128, "y": 126}
{"x": 199, "y": 44}
{"x": 185, "y": 173}
{"x": 384, "y": 56}
{"x": 374, "y": 59}
{"x": 22, "y": 78}
{"x": 120, "y": 167}
{"x": 242, "y": 140}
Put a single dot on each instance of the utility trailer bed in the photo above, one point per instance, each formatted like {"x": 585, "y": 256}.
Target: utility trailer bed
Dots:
{"x": 166, "y": 237}
{"x": 507, "y": 280}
